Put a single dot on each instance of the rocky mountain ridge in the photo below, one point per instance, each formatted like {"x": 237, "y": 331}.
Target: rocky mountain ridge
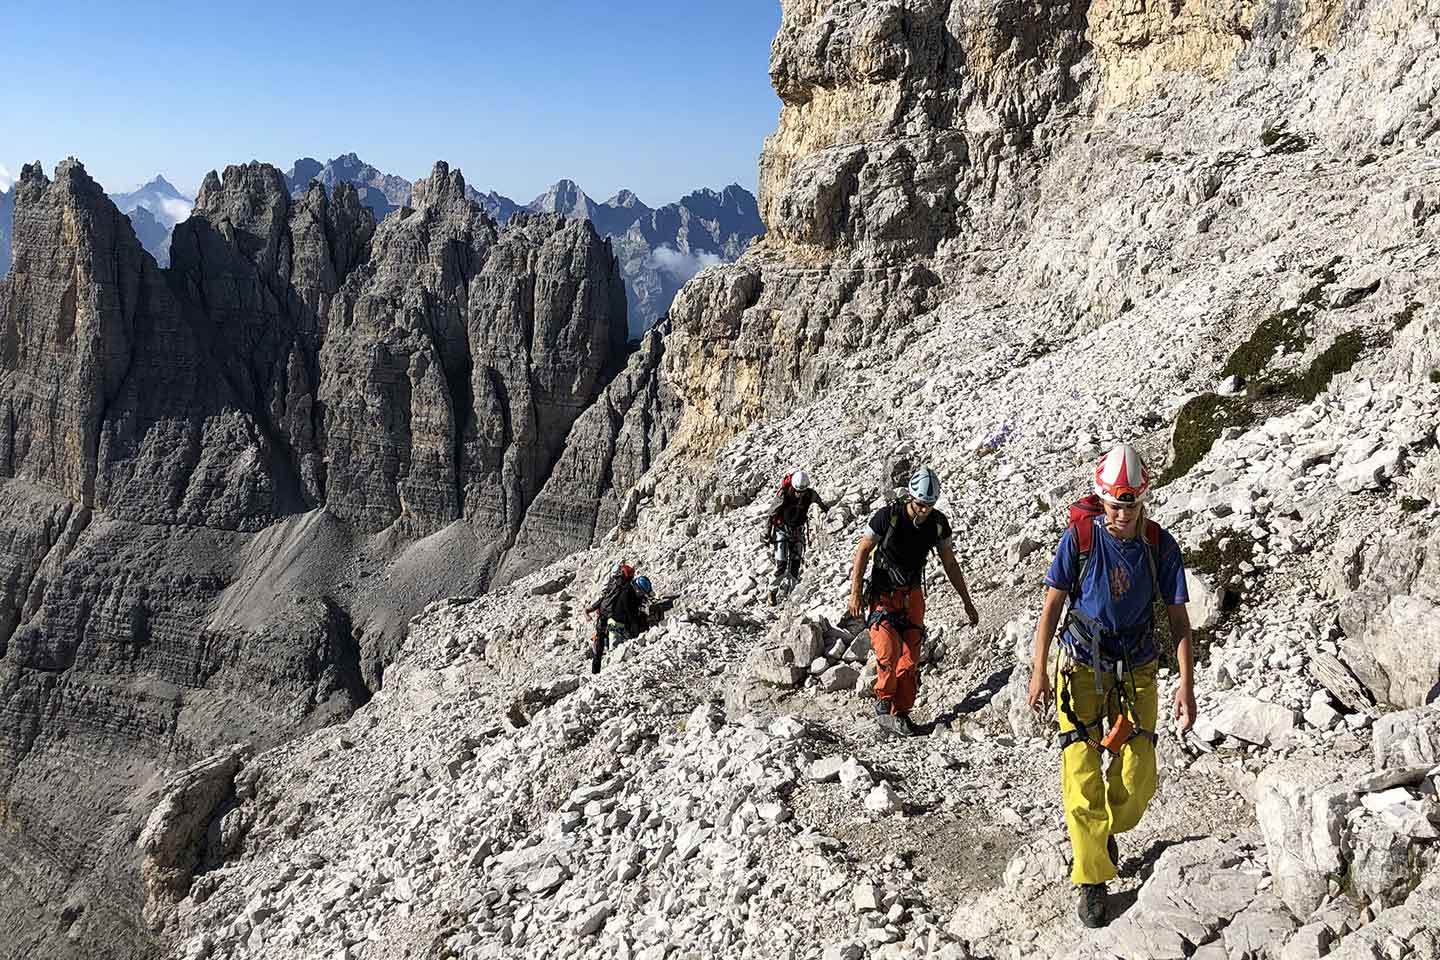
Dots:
{"x": 659, "y": 249}
{"x": 229, "y": 482}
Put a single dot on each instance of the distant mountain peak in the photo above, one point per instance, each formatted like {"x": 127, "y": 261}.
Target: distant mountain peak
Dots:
{"x": 566, "y": 198}
{"x": 159, "y": 187}
{"x": 625, "y": 198}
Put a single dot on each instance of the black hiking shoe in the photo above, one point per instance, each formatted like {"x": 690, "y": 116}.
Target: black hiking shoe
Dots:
{"x": 1113, "y": 848}
{"x": 906, "y": 728}
{"x": 1091, "y": 906}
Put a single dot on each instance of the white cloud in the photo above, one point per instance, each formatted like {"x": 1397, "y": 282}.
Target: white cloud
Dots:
{"x": 683, "y": 265}
{"x": 5, "y": 179}
{"x": 172, "y": 211}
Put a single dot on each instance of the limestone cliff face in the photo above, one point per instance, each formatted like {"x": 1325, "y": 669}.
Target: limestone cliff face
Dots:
{"x": 228, "y": 484}
{"x": 924, "y": 145}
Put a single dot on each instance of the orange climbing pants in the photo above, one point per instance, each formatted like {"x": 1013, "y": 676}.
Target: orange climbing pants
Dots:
{"x": 897, "y": 652}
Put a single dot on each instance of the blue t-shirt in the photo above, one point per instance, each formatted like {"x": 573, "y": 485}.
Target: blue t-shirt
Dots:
{"x": 1117, "y": 592}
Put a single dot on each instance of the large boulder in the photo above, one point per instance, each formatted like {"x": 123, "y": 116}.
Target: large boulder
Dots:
{"x": 1203, "y": 607}
{"x": 1409, "y": 738}
{"x": 1390, "y": 582}
{"x": 1301, "y": 809}
{"x": 171, "y": 843}
{"x": 1191, "y": 896}
{"x": 1254, "y": 721}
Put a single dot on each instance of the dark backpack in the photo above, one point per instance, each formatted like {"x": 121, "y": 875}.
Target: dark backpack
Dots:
{"x": 613, "y": 590}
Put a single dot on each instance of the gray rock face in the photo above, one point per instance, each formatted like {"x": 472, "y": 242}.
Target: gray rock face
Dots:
{"x": 194, "y": 460}
{"x": 659, "y": 250}
{"x": 1391, "y": 614}
{"x": 171, "y": 842}
{"x": 471, "y": 394}
{"x": 7, "y": 214}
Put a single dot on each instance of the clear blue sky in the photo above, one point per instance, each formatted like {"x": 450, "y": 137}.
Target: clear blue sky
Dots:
{"x": 660, "y": 97}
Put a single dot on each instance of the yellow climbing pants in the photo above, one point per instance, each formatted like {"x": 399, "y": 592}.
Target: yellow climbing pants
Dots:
{"x": 1098, "y": 804}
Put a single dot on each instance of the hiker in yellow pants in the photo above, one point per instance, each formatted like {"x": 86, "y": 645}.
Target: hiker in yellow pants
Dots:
{"x": 1112, "y": 567}
{"x": 1096, "y": 806}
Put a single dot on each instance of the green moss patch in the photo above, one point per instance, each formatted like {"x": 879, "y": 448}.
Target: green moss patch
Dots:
{"x": 1284, "y": 330}
{"x": 1335, "y": 359}
{"x": 1199, "y": 424}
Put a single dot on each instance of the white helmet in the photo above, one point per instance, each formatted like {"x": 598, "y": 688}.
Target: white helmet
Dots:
{"x": 800, "y": 480}
{"x": 1121, "y": 476}
{"x": 925, "y": 486}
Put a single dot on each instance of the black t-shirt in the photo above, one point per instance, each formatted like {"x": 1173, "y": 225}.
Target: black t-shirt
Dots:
{"x": 794, "y": 509}
{"x": 903, "y": 561}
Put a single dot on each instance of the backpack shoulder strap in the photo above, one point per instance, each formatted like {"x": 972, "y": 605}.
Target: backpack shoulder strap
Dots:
{"x": 1152, "y": 556}
{"x": 1084, "y": 541}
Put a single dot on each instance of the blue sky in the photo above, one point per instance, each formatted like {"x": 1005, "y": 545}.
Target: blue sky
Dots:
{"x": 655, "y": 96}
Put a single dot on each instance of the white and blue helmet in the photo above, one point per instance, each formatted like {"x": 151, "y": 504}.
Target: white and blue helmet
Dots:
{"x": 924, "y": 487}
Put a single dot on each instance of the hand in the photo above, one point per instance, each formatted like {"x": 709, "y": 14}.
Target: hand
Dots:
{"x": 1185, "y": 706}
{"x": 971, "y": 613}
{"x": 1040, "y": 689}
{"x": 854, "y": 606}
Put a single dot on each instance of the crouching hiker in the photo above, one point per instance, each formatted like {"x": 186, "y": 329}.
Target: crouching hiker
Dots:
{"x": 1111, "y": 565}
{"x": 621, "y": 613}
{"x": 900, "y": 537}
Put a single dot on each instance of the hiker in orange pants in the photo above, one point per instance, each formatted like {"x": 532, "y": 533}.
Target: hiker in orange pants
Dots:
{"x": 895, "y": 637}
{"x": 901, "y": 536}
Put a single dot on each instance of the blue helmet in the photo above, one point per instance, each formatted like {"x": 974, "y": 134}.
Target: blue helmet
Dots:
{"x": 642, "y": 584}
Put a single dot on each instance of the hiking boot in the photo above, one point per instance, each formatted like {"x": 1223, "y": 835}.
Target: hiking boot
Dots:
{"x": 1113, "y": 848}
{"x": 1091, "y": 907}
{"x": 904, "y": 727}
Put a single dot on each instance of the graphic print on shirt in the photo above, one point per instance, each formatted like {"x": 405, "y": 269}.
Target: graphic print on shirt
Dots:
{"x": 1119, "y": 581}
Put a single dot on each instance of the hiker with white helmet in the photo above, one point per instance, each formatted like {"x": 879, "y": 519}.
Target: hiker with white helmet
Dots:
{"x": 901, "y": 536}
{"x": 1112, "y": 564}
{"x": 788, "y": 523}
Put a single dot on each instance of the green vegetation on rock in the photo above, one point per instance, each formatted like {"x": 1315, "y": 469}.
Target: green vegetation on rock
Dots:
{"x": 1199, "y": 424}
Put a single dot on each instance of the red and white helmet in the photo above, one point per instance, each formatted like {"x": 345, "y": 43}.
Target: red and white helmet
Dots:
{"x": 1121, "y": 476}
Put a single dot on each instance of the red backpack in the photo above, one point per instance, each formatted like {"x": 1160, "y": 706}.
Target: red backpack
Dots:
{"x": 784, "y": 485}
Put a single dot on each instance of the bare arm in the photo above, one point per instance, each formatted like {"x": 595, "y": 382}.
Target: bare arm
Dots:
{"x": 957, "y": 580}
{"x": 1185, "y": 694}
{"x": 1044, "y": 634}
{"x": 857, "y": 573}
